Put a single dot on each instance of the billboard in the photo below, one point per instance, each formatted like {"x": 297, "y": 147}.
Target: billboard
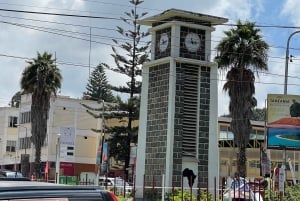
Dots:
{"x": 283, "y": 121}
{"x": 67, "y": 144}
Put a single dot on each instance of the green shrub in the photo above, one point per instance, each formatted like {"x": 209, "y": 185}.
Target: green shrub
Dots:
{"x": 292, "y": 193}
{"x": 177, "y": 195}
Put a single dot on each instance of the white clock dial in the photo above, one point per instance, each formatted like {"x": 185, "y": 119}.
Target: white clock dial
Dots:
{"x": 163, "y": 42}
{"x": 192, "y": 42}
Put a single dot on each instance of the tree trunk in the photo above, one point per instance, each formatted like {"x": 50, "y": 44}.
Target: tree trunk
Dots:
{"x": 242, "y": 166}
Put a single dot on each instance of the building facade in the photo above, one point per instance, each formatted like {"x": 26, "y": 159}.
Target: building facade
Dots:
{"x": 69, "y": 120}
{"x": 228, "y": 152}
{"x": 8, "y": 137}
{"x": 178, "y": 121}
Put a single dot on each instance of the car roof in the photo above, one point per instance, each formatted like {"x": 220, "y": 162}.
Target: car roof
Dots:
{"x": 29, "y": 189}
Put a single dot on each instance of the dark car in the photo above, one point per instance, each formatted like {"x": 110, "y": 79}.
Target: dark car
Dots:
{"x": 33, "y": 191}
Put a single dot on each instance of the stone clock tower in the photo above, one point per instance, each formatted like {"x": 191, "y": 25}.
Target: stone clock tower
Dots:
{"x": 178, "y": 114}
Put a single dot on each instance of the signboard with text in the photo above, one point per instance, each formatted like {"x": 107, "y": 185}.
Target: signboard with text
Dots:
{"x": 67, "y": 144}
{"x": 283, "y": 121}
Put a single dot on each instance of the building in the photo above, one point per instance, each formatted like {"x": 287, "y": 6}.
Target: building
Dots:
{"x": 69, "y": 114}
{"x": 8, "y": 137}
{"x": 178, "y": 121}
{"x": 69, "y": 120}
{"x": 228, "y": 152}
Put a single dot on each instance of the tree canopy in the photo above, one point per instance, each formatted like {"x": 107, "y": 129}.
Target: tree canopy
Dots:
{"x": 239, "y": 52}
{"x": 97, "y": 87}
{"x": 42, "y": 79}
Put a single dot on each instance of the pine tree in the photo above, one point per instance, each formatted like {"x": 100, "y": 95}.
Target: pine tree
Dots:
{"x": 129, "y": 64}
{"x": 97, "y": 87}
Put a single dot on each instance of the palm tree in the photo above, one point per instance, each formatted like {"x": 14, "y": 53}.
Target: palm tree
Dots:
{"x": 42, "y": 79}
{"x": 241, "y": 52}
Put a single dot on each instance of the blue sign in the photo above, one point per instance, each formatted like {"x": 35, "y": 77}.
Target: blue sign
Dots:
{"x": 283, "y": 138}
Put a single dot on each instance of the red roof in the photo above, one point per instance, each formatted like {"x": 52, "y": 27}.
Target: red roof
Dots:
{"x": 286, "y": 122}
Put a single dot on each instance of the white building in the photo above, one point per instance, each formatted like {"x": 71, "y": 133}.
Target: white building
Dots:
{"x": 67, "y": 117}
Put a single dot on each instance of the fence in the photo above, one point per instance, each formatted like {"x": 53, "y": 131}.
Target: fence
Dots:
{"x": 255, "y": 189}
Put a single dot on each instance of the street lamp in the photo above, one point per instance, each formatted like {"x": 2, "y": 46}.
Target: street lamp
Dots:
{"x": 101, "y": 144}
{"x": 287, "y": 61}
{"x": 57, "y": 164}
{"x": 24, "y": 158}
{"x": 285, "y": 85}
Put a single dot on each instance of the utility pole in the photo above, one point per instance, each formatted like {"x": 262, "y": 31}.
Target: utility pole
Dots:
{"x": 287, "y": 56}
{"x": 101, "y": 144}
{"x": 24, "y": 159}
{"x": 57, "y": 164}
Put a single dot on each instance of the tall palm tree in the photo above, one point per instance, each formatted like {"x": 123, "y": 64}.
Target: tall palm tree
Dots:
{"x": 42, "y": 79}
{"x": 241, "y": 52}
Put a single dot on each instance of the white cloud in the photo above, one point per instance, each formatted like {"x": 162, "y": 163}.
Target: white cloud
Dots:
{"x": 26, "y": 42}
{"x": 291, "y": 10}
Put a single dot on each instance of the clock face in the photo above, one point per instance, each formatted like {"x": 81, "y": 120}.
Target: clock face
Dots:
{"x": 192, "y": 42}
{"x": 163, "y": 42}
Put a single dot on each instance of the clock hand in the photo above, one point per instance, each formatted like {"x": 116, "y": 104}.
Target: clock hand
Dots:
{"x": 194, "y": 42}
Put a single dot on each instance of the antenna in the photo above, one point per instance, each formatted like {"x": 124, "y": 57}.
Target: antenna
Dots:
{"x": 90, "y": 52}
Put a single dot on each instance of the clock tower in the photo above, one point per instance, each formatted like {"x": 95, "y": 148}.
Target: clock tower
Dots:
{"x": 178, "y": 114}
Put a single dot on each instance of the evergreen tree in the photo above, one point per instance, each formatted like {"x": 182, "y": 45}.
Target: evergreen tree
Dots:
{"x": 259, "y": 114}
{"x": 16, "y": 100}
{"x": 97, "y": 87}
{"x": 136, "y": 52}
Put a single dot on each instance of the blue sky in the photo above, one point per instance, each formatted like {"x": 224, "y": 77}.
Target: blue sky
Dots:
{"x": 18, "y": 41}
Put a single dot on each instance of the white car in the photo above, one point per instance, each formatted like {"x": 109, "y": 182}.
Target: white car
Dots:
{"x": 117, "y": 183}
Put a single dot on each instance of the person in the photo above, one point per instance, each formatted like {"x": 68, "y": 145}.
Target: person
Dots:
{"x": 237, "y": 181}
{"x": 295, "y": 109}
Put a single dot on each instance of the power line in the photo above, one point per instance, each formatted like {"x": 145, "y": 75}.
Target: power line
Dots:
{"x": 60, "y": 9}
{"x": 60, "y": 23}
{"x": 44, "y": 29}
{"x": 69, "y": 36}
{"x": 113, "y": 18}
{"x": 60, "y": 14}
{"x": 93, "y": 66}
{"x": 40, "y": 28}
{"x": 272, "y": 46}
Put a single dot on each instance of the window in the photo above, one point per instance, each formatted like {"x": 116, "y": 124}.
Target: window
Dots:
{"x": 12, "y": 121}
{"x": 25, "y": 117}
{"x": 24, "y": 143}
{"x": 223, "y": 162}
{"x": 11, "y": 146}
{"x": 224, "y": 128}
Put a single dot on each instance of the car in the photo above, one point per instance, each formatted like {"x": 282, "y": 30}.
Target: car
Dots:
{"x": 10, "y": 173}
{"x": 116, "y": 184}
{"x": 33, "y": 191}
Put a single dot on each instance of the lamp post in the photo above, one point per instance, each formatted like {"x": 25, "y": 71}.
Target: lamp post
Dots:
{"x": 24, "y": 158}
{"x": 285, "y": 84}
{"x": 101, "y": 144}
{"x": 287, "y": 61}
{"x": 57, "y": 164}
